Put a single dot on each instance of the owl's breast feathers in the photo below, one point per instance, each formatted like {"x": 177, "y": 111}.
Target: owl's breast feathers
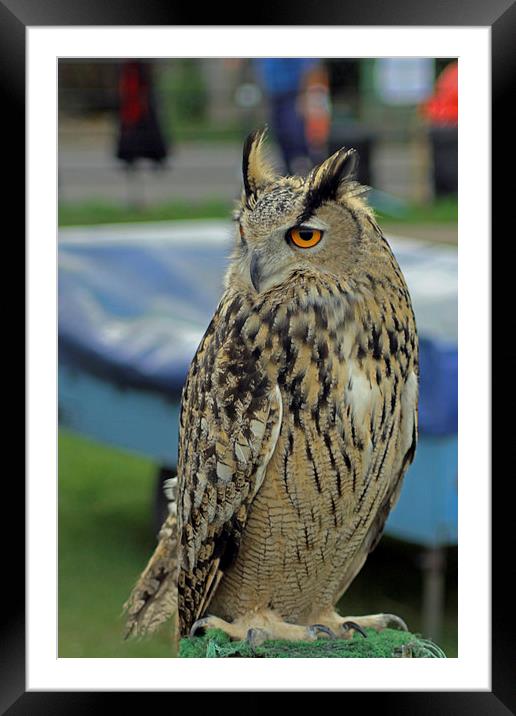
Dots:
{"x": 312, "y": 386}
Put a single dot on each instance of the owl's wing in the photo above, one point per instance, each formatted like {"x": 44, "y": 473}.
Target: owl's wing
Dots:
{"x": 230, "y": 421}
{"x": 403, "y": 448}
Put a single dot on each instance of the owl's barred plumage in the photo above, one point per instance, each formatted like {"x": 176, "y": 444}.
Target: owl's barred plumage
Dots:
{"x": 299, "y": 413}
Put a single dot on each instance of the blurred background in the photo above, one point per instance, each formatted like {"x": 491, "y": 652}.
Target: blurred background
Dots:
{"x": 149, "y": 169}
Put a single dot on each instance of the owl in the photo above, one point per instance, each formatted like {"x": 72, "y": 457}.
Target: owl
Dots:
{"x": 298, "y": 418}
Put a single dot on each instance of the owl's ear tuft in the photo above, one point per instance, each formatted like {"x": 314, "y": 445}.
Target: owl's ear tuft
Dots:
{"x": 327, "y": 179}
{"x": 257, "y": 170}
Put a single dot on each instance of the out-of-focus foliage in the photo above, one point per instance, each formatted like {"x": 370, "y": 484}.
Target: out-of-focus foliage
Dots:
{"x": 182, "y": 93}
{"x": 443, "y": 211}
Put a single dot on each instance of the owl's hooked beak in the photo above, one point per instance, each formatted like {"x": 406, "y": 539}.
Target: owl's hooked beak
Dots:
{"x": 255, "y": 270}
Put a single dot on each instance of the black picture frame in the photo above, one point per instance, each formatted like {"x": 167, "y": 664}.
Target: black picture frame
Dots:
{"x": 500, "y": 15}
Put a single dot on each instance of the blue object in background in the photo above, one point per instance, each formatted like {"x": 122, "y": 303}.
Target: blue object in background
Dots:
{"x": 138, "y": 421}
{"x": 438, "y": 387}
{"x": 426, "y": 513}
{"x": 282, "y": 79}
{"x": 279, "y": 75}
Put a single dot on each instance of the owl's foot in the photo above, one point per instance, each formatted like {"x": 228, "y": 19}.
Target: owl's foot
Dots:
{"x": 257, "y": 628}
{"x": 345, "y": 627}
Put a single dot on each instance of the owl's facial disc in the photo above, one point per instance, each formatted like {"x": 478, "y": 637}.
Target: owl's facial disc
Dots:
{"x": 273, "y": 259}
{"x": 267, "y": 267}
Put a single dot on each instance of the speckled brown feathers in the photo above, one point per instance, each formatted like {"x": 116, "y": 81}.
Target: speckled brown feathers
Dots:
{"x": 299, "y": 414}
{"x": 230, "y": 418}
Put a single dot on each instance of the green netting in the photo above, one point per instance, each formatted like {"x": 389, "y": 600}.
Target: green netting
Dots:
{"x": 389, "y": 643}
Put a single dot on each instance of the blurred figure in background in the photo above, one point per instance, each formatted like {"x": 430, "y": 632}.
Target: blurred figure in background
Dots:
{"x": 140, "y": 135}
{"x": 317, "y": 111}
{"x": 442, "y": 112}
{"x": 284, "y": 81}
{"x": 443, "y": 106}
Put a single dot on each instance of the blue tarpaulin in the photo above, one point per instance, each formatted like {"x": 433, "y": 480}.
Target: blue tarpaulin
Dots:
{"x": 134, "y": 301}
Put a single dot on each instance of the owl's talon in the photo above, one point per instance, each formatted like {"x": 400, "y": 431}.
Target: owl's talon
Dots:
{"x": 199, "y": 624}
{"x": 256, "y": 637}
{"x": 347, "y": 626}
{"x": 316, "y": 629}
{"x": 393, "y": 621}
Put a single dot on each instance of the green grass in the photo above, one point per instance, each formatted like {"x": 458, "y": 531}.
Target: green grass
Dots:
{"x": 97, "y": 212}
{"x": 443, "y": 211}
{"x": 106, "y": 537}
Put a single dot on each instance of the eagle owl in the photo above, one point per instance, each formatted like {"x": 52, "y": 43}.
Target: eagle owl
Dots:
{"x": 298, "y": 417}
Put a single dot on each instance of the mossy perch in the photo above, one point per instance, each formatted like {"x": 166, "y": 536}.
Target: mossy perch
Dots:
{"x": 389, "y": 643}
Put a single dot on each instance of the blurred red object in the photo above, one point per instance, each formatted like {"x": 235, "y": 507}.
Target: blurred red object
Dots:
{"x": 133, "y": 88}
{"x": 317, "y": 108}
{"x": 443, "y": 105}
{"x": 139, "y": 135}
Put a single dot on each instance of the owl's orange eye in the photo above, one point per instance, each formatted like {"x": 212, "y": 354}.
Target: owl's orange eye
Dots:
{"x": 304, "y": 238}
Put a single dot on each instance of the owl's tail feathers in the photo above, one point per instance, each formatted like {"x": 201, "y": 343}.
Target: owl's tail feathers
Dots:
{"x": 154, "y": 598}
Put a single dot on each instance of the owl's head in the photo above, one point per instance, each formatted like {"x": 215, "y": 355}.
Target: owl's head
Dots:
{"x": 290, "y": 224}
